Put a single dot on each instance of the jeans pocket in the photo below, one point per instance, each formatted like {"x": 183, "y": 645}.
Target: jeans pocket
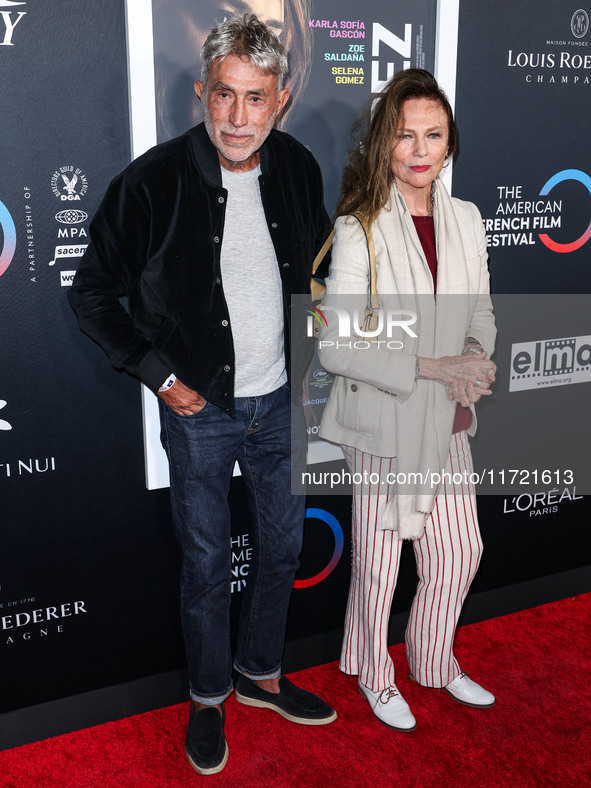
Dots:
{"x": 190, "y": 416}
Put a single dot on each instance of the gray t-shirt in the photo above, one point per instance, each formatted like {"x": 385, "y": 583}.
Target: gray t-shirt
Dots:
{"x": 252, "y": 287}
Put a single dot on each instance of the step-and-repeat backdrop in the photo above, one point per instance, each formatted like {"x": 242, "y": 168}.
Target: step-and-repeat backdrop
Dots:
{"x": 522, "y": 106}
{"x": 88, "y": 563}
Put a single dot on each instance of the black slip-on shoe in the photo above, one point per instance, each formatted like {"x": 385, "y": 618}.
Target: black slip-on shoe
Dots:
{"x": 293, "y": 703}
{"x": 205, "y": 743}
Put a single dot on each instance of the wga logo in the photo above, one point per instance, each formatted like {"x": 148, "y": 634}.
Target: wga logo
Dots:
{"x": 9, "y": 20}
{"x": 7, "y": 238}
{"x": 4, "y": 425}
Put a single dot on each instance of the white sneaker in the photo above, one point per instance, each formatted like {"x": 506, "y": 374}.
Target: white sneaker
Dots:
{"x": 389, "y": 707}
{"x": 464, "y": 690}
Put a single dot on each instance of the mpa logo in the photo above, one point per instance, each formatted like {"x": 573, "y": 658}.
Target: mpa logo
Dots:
{"x": 550, "y": 362}
{"x": 69, "y": 184}
{"x": 71, "y": 216}
{"x": 579, "y": 24}
{"x": 7, "y": 238}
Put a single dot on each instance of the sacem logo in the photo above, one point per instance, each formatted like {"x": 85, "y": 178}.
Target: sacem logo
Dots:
{"x": 566, "y": 175}
{"x": 334, "y": 525}
{"x": 7, "y": 238}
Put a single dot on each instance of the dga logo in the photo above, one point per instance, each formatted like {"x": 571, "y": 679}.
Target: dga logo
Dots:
{"x": 7, "y": 238}
{"x": 334, "y": 525}
{"x": 566, "y": 175}
{"x": 579, "y": 24}
{"x": 71, "y": 216}
{"x": 10, "y": 20}
{"x": 4, "y": 425}
{"x": 68, "y": 183}
{"x": 550, "y": 362}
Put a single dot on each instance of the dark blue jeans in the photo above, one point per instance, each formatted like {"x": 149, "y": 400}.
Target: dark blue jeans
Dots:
{"x": 201, "y": 450}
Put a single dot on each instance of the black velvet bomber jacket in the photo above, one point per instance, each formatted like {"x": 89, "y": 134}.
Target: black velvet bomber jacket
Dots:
{"x": 156, "y": 238}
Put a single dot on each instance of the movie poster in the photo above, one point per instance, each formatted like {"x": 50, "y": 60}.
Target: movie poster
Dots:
{"x": 340, "y": 57}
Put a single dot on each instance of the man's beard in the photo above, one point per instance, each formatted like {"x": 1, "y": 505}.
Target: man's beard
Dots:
{"x": 231, "y": 152}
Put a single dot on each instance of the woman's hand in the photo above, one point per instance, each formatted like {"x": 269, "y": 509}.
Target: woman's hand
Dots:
{"x": 467, "y": 394}
{"x": 466, "y": 376}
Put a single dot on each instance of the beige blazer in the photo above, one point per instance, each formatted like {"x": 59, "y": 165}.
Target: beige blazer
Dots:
{"x": 376, "y": 404}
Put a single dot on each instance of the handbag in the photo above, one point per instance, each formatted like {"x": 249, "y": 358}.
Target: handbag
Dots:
{"x": 318, "y": 288}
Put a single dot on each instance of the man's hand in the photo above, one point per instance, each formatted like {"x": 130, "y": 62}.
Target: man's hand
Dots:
{"x": 181, "y": 399}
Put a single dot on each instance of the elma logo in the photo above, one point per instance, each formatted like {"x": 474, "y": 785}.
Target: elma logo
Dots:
{"x": 550, "y": 362}
{"x": 566, "y": 175}
{"x": 7, "y": 238}
{"x": 335, "y": 527}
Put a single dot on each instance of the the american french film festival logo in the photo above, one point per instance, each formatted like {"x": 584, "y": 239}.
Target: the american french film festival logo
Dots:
{"x": 354, "y": 331}
{"x": 550, "y": 362}
{"x": 7, "y": 238}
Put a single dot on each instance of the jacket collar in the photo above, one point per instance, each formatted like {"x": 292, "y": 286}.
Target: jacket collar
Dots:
{"x": 206, "y": 155}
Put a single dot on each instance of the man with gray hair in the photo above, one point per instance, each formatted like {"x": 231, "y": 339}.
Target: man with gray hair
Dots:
{"x": 204, "y": 233}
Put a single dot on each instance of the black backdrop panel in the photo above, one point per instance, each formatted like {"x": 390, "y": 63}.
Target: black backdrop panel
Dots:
{"x": 522, "y": 102}
{"x": 87, "y": 563}
{"x": 522, "y": 105}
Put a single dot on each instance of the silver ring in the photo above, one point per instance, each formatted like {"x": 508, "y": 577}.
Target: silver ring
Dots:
{"x": 478, "y": 383}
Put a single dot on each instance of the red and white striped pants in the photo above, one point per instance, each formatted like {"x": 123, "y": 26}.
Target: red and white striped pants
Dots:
{"x": 447, "y": 557}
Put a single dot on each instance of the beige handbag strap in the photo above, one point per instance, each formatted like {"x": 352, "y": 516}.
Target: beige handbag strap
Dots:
{"x": 321, "y": 254}
{"x": 373, "y": 276}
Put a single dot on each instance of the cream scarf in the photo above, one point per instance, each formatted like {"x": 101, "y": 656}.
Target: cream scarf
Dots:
{"x": 424, "y": 422}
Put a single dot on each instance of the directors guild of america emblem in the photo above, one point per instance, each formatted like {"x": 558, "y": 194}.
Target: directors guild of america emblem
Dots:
{"x": 69, "y": 183}
{"x": 579, "y": 24}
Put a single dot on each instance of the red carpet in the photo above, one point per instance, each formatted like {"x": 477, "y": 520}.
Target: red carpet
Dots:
{"x": 537, "y": 662}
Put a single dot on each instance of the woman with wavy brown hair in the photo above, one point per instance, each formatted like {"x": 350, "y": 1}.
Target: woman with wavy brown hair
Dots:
{"x": 401, "y": 408}
{"x": 181, "y": 27}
